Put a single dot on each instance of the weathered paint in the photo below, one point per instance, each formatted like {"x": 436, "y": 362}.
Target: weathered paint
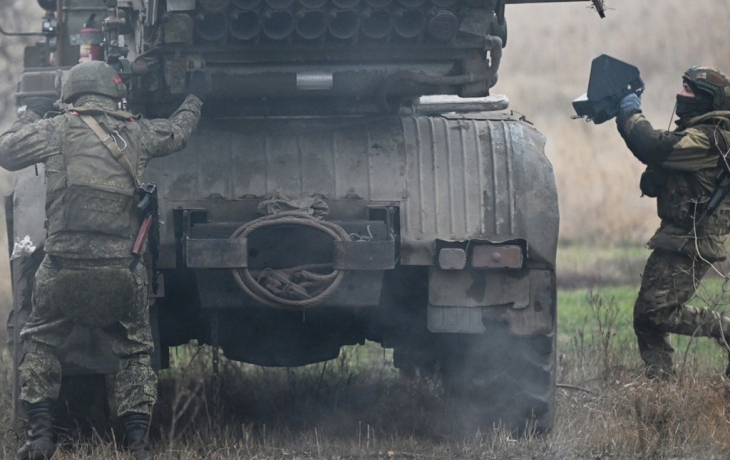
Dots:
{"x": 455, "y": 178}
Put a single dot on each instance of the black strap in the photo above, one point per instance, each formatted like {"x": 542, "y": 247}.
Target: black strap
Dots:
{"x": 55, "y": 262}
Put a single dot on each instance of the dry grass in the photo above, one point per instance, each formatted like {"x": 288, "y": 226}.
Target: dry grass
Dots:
{"x": 609, "y": 410}
{"x": 546, "y": 65}
{"x": 357, "y": 407}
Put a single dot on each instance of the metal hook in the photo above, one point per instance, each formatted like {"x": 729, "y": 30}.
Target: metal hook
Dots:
{"x": 115, "y": 135}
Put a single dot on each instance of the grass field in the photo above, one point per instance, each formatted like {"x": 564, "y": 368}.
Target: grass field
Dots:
{"x": 358, "y": 407}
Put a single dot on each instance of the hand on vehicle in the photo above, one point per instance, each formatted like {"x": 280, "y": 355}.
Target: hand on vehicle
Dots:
{"x": 198, "y": 85}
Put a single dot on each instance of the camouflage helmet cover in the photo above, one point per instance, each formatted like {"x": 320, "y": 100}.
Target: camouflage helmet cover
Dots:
{"x": 96, "y": 77}
{"x": 712, "y": 82}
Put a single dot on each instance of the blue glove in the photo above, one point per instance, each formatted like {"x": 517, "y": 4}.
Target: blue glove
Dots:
{"x": 630, "y": 102}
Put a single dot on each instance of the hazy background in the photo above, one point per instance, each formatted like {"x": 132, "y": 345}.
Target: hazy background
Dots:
{"x": 545, "y": 66}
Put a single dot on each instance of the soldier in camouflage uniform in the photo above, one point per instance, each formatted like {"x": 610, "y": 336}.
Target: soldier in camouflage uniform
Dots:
{"x": 89, "y": 275}
{"x": 682, "y": 166}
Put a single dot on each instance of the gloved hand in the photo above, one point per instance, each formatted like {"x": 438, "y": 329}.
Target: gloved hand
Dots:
{"x": 198, "y": 84}
{"x": 630, "y": 102}
{"x": 39, "y": 105}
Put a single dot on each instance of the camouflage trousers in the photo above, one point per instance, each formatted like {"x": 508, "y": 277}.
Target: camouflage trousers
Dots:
{"x": 96, "y": 293}
{"x": 670, "y": 280}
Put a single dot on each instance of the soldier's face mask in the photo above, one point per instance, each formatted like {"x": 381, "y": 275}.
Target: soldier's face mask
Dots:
{"x": 692, "y": 106}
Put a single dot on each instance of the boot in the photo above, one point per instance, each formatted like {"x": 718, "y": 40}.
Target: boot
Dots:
{"x": 39, "y": 445}
{"x": 136, "y": 426}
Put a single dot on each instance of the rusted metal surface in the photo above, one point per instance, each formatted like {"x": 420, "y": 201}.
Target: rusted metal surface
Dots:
{"x": 494, "y": 256}
{"x": 532, "y": 312}
{"x": 364, "y": 255}
{"x": 478, "y": 288}
{"x": 460, "y": 178}
{"x": 216, "y": 253}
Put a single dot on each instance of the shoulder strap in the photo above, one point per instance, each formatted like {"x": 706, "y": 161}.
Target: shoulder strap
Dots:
{"x": 111, "y": 145}
{"x": 119, "y": 114}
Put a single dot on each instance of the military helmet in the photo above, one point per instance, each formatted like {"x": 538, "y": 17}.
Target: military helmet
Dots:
{"x": 712, "y": 82}
{"x": 95, "y": 77}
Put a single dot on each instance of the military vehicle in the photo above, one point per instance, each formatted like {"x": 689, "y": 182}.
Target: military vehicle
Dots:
{"x": 352, "y": 179}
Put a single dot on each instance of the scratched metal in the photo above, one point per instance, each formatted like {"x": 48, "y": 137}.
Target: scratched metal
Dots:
{"x": 460, "y": 177}
{"x": 455, "y": 178}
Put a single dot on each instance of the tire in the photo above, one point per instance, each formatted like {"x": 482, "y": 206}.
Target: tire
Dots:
{"x": 499, "y": 380}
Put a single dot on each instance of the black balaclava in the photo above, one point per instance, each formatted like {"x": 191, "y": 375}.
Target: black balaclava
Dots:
{"x": 688, "y": 107}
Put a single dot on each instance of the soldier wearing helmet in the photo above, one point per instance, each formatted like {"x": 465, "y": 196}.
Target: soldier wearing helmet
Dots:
{"x": 89, "y": 275}
{"x": 682, "y": 167}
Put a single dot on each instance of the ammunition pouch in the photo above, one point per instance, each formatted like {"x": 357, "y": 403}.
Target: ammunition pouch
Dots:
{"x": 652, "y": 181}
{"x": 92, "y": 210}
{"x": 96, "y": 296}
{"x": 678, "y": 209}
{"x": 719, "y": 222}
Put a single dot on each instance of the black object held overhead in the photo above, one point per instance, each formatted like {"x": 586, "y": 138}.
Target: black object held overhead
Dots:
{"x": 611, "y": 79}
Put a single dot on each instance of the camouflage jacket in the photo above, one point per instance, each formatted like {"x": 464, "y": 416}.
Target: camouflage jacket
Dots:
{"x": 32, "y": 140}
{"x": 682, "y": 166}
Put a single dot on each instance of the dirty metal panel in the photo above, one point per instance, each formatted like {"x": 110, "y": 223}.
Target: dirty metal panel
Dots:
{"x": 444, "y": 183}
{"x": 452, "y": 259}
{"x": 457, "y": 177}
{"x": 494, "y": 256}
{"x": 472, "y": 177}
{"x": 364, "y": 255}
{"x": 216, "y": 253}
{"x": 457, "y": 320}
{"x": 358, "y": 289}
{"x": 472, "y": 288}
{"x": 233, "y": 159}
{"x": 538, "y": 317}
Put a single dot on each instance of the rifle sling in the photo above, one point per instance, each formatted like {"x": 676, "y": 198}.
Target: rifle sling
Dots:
{"x": 112, "y": 146}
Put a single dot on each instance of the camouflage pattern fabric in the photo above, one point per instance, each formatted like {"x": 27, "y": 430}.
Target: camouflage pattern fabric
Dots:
{"x": 687, "y": 158}
{"x": 684, "y": 164}
{"x": 32, "y": 140}
{"x": 50, "y": 323}
{"x": 91, "y": 263}
{"x": 670, "y": 280}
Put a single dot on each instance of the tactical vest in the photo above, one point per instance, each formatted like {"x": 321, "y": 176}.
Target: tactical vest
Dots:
{"x": 96, "y": 193}
{"x": 681, "y": 197}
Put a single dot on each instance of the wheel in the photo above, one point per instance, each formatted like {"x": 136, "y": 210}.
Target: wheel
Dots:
{"x": 499, "y": 380}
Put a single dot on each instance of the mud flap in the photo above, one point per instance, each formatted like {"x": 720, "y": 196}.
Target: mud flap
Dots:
{"x": 461, "y": 301}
